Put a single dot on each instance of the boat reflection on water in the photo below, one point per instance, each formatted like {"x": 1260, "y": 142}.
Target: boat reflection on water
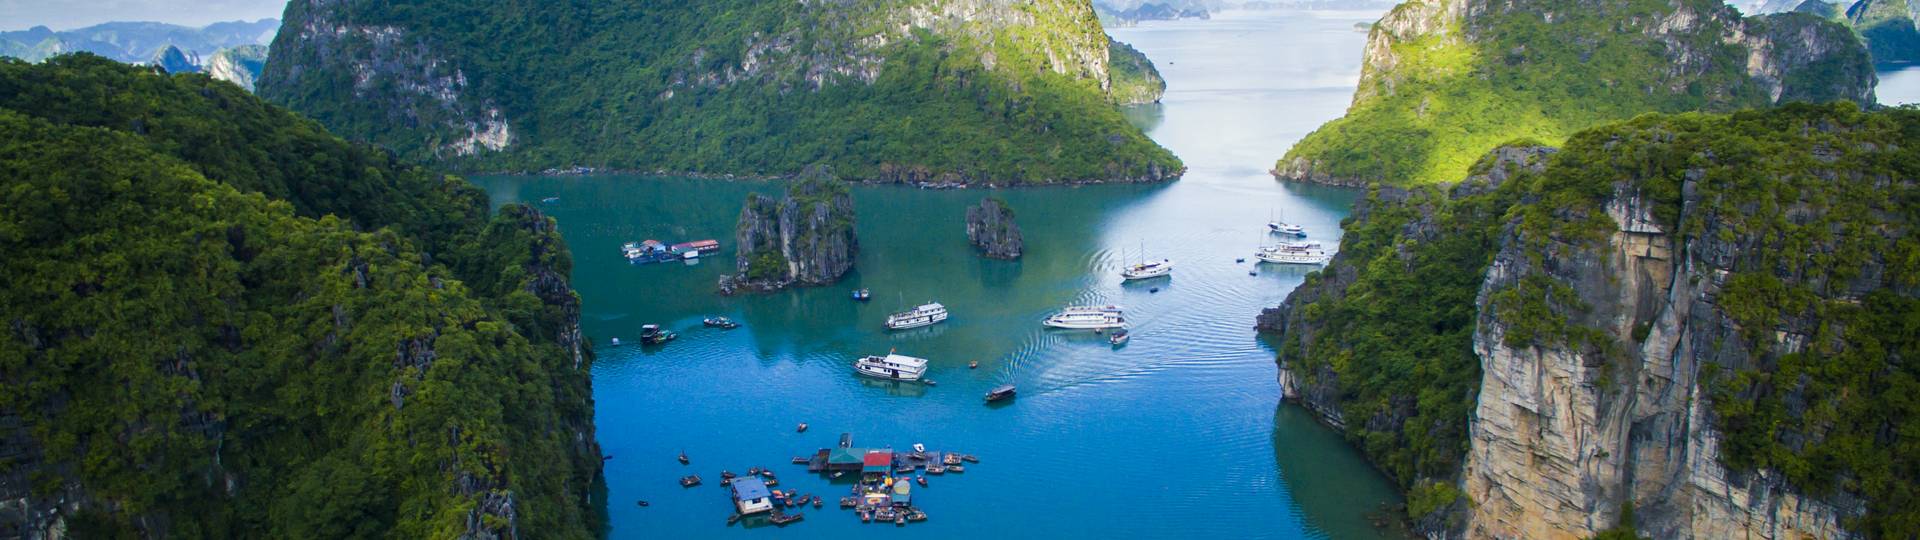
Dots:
{"x": 896, "y": 388}
{"x": 918, "y": 334}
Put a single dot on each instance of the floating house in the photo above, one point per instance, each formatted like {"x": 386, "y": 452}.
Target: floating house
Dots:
{"x": 876, "y": 464}
{"x": 698, "y": 246}
{"x": 846, "y": 459}
{"x": 750, "y": 495}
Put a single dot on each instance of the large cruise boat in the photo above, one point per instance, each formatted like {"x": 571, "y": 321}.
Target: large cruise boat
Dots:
{"x": 895, "y": 367}
{"x": 926, "y": 314}
{"x": 1087, "y": 318}
{"x": 1293, "y": 253}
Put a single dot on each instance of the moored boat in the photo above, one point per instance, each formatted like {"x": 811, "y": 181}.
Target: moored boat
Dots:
{"x": 1293, "y": 253}
{"x": 652, "y": 334}
{"x": 1147, "y": 270}
{"x": 1119, "y": 337}
{"x": 892, "y": 367}
{"x": 1288, "y": 229}
{"x": 1083, "y": 318}
{"x": 926, "y": 314}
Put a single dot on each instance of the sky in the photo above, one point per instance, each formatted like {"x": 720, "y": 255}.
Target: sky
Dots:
{"x": 69, "y": 14}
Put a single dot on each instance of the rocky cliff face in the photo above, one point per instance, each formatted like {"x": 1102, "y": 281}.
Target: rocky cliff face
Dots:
{"x": 1135, "y": 80}
{"x": 990, "y": 228}
{"x": 1888, "y": 26}
{"x": 1648, "y": 339}
{"x": 238, "y": 65}
{"x": 805, "y": 238}
{"x": 1444, "y": 81}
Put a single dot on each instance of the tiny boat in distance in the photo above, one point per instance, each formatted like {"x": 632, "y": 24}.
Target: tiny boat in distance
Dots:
{"x": 1000, "y": 393}
{"x": 862, "y": 295}
{"x": 1147, "y": 270}
{"x": 926, "y": 314}
{"x": 1087, "y": 318}
{"x": 720, "y": 322}
{"x": 1293, "y": 253}
{"x": 894, "y": 367}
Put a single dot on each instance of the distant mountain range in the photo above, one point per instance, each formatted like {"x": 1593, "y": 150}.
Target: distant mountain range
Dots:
{"x": 232, "y": 51}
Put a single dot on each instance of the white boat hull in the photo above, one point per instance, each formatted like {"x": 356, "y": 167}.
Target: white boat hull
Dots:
{"x": 888, "y": 374}
{"x": 1084, "y": 325}
{"x": 1294, "y": 258}
{"x": 916, "y": 322}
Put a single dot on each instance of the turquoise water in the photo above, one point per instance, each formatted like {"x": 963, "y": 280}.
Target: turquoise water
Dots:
{"x": 1178, "y": 434}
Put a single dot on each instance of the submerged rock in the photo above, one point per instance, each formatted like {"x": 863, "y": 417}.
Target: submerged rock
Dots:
{"x": 805, "y": 238}
{"x": 991, "y": 228}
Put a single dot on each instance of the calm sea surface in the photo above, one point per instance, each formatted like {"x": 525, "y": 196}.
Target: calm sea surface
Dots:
{"x": 1178, "y": 434}
{"x": 1899, "y": 85}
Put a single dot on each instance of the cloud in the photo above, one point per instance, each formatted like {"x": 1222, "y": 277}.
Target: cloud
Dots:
{"x": 67, "y": 14}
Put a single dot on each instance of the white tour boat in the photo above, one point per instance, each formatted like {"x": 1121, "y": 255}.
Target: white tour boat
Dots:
{"x": 1147, "y": 270}
{"x": 1282, "y": 227}
{"x": 895, "y": 367}
{"x": 926, "y": 314}
{"x": 1087, "y": 318}
{"x": 1293, "y": 253}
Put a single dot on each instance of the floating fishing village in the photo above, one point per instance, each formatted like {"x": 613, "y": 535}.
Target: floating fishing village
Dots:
{"x": 880, "y": 482}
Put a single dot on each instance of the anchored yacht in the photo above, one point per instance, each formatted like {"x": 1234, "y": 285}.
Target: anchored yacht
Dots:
{"x": 926, "y": 314}
{"x": 1293, "y": 253}
{"x": 896, "y": 367}
{"x": 1147, "y": 270}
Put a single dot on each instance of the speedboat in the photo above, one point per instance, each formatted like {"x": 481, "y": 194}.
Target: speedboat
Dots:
{"x": 1082, "y": 318}
{"x": 862, "y": 295}
{"x": 720, "y": 322}
{"x": 652, "y": 334}
{"x": 1288, "y": 229}
{"x": 1119, "y": 337}
{"x": 926, "y": 314}
{"x": 896, "y": 367}
{"x": 1293, "y": 253}
{"x": 1147, "y": 270}
{"x": 1002, "y": 392}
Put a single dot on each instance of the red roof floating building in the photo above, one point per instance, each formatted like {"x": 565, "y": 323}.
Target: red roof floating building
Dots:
{"x": 877, "y": 462}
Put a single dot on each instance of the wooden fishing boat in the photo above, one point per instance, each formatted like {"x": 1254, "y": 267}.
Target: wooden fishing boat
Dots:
{"x": 690, "y": 480}
{"x": 683, "y": 458}
{"x": 1002, "y": 392}
{"x": 956, "y": 468}
{"x": 970, "y": 458}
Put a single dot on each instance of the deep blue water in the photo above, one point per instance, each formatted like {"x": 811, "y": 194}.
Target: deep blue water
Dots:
{"x": 1178, "y": 434}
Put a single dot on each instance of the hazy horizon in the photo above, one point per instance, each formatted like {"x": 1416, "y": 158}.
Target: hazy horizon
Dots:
{"x": 71, "y": 14}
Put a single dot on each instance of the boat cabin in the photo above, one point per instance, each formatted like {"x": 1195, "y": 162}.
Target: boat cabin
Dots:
{"x": 1001, "y": 392}
{"x": 750, "y": 495}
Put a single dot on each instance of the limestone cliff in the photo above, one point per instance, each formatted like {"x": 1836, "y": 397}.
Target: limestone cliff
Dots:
{"x": 238, "y": 65}
{"x": 1688, "y": 318}
{"x": 1888, "y": 27}
{"x": 1445, "y": 81}
{"x": 804, "y": 238}
{"x": 991, "y": 229}
{"x": 1135, "y": 80}
{"x": 725, "y": 86}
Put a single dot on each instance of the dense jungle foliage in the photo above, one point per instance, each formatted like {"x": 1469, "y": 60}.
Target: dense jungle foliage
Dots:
{"x": 723, "y": 86}
{"x": 1399, "y": 339}
{"x": 1810, "y": 208}
{"x": 225, "y": 322}
{"x": 1545, "y": 69}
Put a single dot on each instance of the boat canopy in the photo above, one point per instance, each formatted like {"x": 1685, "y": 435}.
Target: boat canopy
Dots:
{"x": 904, "y": 360}
{"x": 1002, "y": 389}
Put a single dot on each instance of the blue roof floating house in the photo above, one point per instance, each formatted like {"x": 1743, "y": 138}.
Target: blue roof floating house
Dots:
{"x": 750, "y": 495}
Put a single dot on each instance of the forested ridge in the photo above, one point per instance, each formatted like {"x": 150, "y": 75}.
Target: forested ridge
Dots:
{"x": 222, "y": 321}
{"x": 927, "y": 90}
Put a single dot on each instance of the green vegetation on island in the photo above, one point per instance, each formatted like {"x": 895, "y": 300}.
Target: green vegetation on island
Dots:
{"x": 1445, "y": 81}
{"x": 1135, "y": 80}
{"x": 888, "y": 91}
{"x": 225, "y": 322}
{"x": 1805, "y": 340}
